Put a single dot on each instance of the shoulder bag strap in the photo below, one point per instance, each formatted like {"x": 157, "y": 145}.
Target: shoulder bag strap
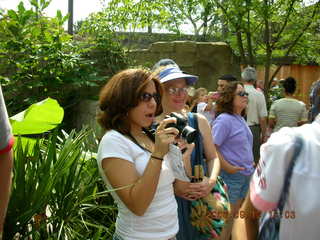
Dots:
{"x": 197, "y": 162}
{"x": 298, "y": 143}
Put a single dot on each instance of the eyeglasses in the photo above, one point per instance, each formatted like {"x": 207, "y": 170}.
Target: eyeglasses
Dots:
{"x": 243, "y": 94}
{"x": 177, "y": 91}
{"x": 146, "y": 97}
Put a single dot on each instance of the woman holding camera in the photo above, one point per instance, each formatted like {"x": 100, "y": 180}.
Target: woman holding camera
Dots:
{"x": 135, "y": 163}
{"x": 175, "y": 84}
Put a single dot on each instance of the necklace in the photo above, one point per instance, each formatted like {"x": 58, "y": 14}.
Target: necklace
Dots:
{"x": 143, "y": 145}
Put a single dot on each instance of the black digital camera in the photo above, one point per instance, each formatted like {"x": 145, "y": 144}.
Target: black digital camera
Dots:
{"x": 186, "y": 132}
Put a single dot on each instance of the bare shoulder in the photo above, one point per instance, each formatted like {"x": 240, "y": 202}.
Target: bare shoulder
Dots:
{"x": 201, "y": 118}
{"x": 203, "y": 123}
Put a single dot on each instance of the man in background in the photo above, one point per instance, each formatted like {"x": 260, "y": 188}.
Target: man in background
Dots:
{"x": 256, "y": 110}
{"x": 224, "y": 80}
{"x": 208, "y": 108}
{"x": 6, "y": 161}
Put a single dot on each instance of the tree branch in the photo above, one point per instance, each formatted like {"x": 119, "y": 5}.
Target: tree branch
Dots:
{"x": 284, "y": 23}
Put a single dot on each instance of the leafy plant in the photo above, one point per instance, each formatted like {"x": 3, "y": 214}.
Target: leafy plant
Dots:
{"x": 57, "y": 192}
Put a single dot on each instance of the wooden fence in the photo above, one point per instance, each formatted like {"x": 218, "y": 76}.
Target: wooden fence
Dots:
{"x": 304, "y": 75}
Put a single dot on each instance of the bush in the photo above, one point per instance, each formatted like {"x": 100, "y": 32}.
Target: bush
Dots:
{"x": 105, "y": 47}
{"x": 39, "y": 59}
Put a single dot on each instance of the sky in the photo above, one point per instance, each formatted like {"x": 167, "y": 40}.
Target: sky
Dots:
{"x": 82, "y": 8}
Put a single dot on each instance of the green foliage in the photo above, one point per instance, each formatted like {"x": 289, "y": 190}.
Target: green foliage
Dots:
{"x": 105, "y": 48}
{"x": 56, "y": 191}
{"x": 132, "y": 15}
{"x": 170, "y": 15}
{"x": 275, "y": 93}
{"x": 201, "y": 15}
{"x": 38, "y": 58}
{"x": 262, "y": 31}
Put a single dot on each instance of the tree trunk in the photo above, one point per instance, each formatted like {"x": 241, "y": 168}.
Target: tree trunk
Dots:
{"x": 267, "y": 38}
{"x": 241, "y": 49}
{"x": 248, "y": 34}
{"x": 70, "y": 20}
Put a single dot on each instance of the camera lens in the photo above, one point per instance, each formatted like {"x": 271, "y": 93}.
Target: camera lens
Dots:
{"x": 186, "y": 132}
{"x": 189, "y": 134}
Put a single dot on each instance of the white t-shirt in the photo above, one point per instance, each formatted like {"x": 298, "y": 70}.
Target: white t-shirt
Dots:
{"x": 257, "y": 107}
{"x": 160, "y": 221}
{"x": 5, "y": 128}
{"x": 302, "y": 209}
{"x": 209, "y": 115}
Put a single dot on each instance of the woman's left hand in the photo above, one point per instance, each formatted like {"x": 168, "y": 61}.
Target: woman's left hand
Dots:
{"x": 200, "y": 189}
{"x": 206, "y": 186}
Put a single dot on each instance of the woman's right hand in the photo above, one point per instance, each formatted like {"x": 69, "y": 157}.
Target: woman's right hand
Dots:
{"x": 164, "y": 136}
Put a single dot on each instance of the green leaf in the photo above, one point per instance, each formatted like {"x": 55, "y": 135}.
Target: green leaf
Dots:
{"x": 21, "y": 8}
{"x": 38, "y": 118}
{"x": 12, "y": 14}
{"x": 59, "y": 15}
{"x": 27, "y": 144}
{"x": 34, "y": 3}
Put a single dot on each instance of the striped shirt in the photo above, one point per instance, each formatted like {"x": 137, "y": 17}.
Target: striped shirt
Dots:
{"x": 288, "y": 112}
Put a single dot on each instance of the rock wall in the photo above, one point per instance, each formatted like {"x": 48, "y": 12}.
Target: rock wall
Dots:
{"x": 208, "y": 60}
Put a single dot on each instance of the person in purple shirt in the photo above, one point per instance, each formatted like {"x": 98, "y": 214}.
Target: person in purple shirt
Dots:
{"x": 233, "y": 140}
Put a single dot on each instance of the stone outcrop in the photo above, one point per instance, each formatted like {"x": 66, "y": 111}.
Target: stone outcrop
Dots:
{"x": 208, "y": 60}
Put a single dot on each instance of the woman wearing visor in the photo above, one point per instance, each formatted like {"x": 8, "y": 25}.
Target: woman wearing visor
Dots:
{"x": 175, "y": 94}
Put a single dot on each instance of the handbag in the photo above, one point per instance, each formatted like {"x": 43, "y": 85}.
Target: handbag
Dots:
{"x": 208, "y": 214}
{"x": 270, "y": 222}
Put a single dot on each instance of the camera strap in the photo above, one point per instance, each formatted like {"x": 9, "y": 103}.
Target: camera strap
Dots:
{"x": 149, "y": 135}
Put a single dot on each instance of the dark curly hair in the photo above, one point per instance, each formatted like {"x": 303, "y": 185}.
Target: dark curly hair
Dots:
{"x": 289, "y": 85}
{"x": 225, "y": 102}
{"x": 121, "y": 94}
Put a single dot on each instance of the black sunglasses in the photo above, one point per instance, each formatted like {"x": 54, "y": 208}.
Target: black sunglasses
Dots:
{"x": 146, "y": 97}
{"x": 243, "y": 94}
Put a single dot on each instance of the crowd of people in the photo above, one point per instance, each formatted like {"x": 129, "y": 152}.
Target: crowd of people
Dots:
{"x": 233, "y": 123}
{"x": 143, "y": 141}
